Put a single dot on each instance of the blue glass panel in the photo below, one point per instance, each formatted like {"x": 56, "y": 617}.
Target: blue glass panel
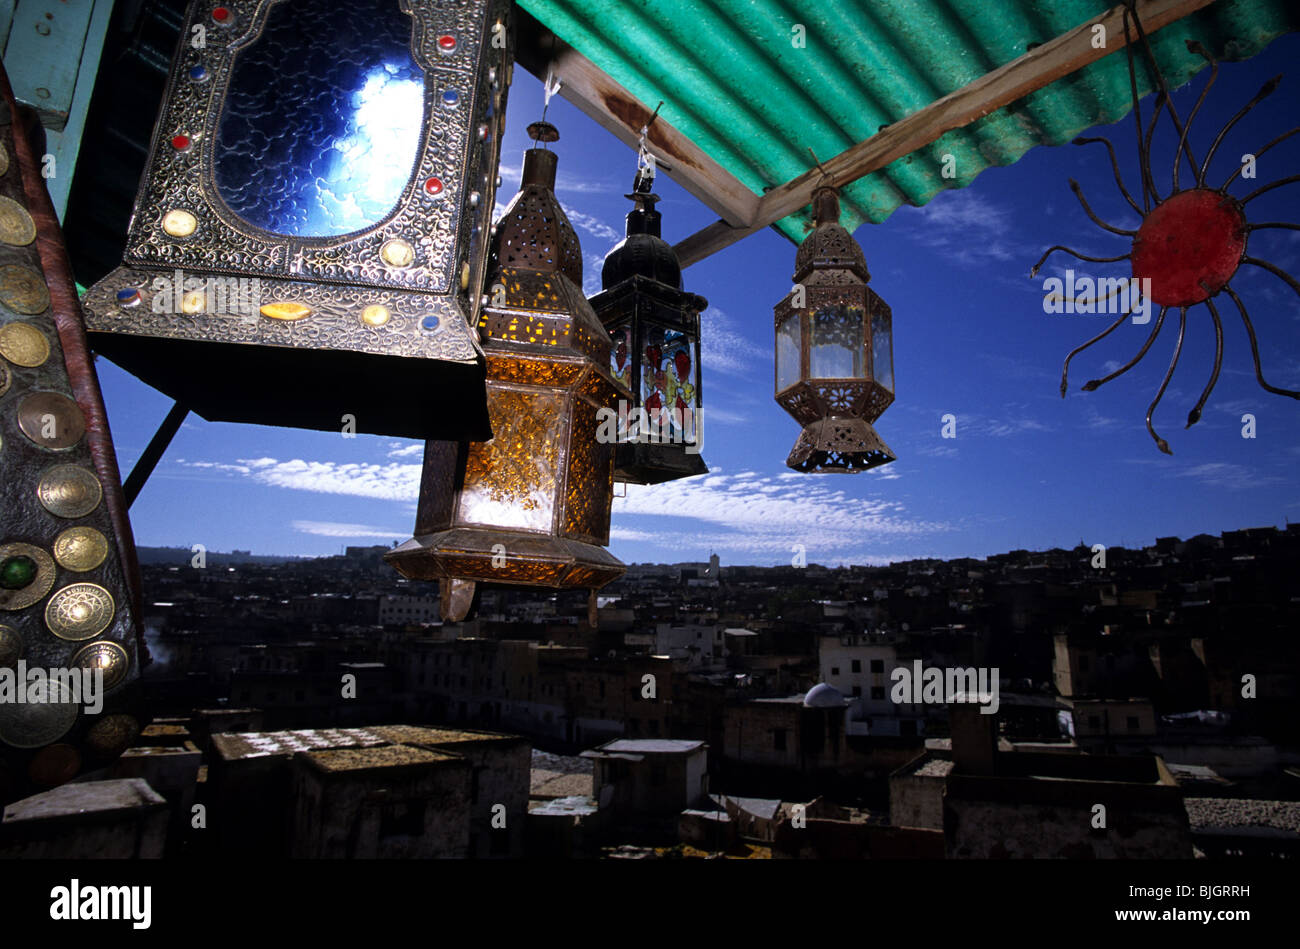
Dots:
{"x": 321, "y": 124}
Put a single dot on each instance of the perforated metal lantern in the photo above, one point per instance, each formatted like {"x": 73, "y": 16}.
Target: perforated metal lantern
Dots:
{"x": 834, "y": 351}
{"x": 654, "y": 328}
{"x": 531, "y": 506}
{"x": 310, "y": 231}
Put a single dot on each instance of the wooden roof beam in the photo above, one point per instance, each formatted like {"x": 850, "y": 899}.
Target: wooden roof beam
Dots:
{"x": 618, "y": 111}
{"x": 1058, "y": 57}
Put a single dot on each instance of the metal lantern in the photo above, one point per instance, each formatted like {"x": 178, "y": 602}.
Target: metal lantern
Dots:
{"x": 834, "y": 350}
{"x": 71, "y": 649}
{"x": 531, "y": 506}
{"x": 654, "y": 326}
{"x": 309, "y": 235}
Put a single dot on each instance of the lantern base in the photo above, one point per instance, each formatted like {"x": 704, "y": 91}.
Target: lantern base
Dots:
{"x": 502, "y": 556}
{"x": 650, "y": 463}
{"x": 839, "y": 445}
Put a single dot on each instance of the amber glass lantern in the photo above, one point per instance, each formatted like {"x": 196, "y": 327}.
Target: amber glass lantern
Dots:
{"x": 531, "y": 506}
{"x": 654, "y": 327}
{"x": 834, "y": 350}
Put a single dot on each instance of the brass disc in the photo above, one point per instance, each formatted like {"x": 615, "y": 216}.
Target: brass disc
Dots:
{"x": 31, "y": 725}
{"x": 24, "y": 345}
{"x": 55, "y": 765}
{"x": 24, "y": 597}
{"x": 11, "y": 646}
{"x": 69, "y": 491}
{"x": 16, "y": 225}
{"x": 80, "y": 611}
{"x": 80, "y": 549}
{"x": 51, "y": 420}
{"x": 112, "y": 735}
{"x": 23, "y": 290}
{"x": 105, "y": 655}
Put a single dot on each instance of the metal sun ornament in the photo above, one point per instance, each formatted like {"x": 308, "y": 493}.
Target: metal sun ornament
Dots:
{"x": 1191, "y": 242}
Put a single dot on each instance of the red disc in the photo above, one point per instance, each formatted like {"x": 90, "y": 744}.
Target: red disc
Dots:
{"x": 220, "y": 14}
{"x": 433, "y": 185}
{"x": 180, "y": 142}
{"x": 447, "y": 42}
{"x": 1189, "y": 246}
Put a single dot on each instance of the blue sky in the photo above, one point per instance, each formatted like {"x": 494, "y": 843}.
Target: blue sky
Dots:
{"x": 1027, "y": 469}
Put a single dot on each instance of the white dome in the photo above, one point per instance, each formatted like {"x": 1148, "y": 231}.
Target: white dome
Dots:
{"x": 822, "y": 695}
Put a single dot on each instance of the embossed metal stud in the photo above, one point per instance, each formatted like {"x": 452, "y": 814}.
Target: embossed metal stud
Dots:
{"x": 33, "y": 724}
{"x": 51, "y": 420}
{"x": 112, "y": 735}
{"x": 26, "y": 575}
{"x": 179, "y": 223}
{"x": 24, "y": 345}
{"x": 23, "y": 290}
{"x": 128, "y": 297}
{"x": 80, "y": 549}
{"x": 55, "y": 765}
{"x": 69, "y": 491}
{"x": 16, "y": 225}
{"x": 105, "y": 655}
{"x": 80, "y": 611}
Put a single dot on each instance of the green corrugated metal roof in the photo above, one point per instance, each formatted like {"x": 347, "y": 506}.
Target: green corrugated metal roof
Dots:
{"x": 732, "y": 80}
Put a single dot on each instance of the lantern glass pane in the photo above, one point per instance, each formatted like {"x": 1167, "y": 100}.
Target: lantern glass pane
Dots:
{"x": 882, "y": 349}
{"x": 620, "y": 354}
{"x": 788, "y": 342}
{"x": 511, "y": 480}
{"x": 668, "y": 391}
{"x": 321, "y": 122}
{"x": 837, "y": 351}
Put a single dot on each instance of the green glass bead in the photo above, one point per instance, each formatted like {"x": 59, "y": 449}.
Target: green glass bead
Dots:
{"x": 17, "y": 572}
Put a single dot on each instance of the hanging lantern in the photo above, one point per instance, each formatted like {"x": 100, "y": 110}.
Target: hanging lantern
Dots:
{"x": 654, "y": 326}
{"x": 308, "y": 240}
{"x": 834, "y": 350}
{"x": 71, "y": 649}
{"x": 531, "y": 506}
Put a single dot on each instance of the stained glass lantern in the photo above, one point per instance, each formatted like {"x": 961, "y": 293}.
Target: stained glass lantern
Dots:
{"x": 834, "y": 350}
{"x": 531, "y": 506}
{"x": 71, "y": 648}
{"x": 654, "y": 326}
{"x": 309, "y": 237}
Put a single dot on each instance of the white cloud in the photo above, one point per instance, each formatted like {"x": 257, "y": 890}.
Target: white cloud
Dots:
{"x": 769, "y": 515}
{"x": 722, "y": 347}
{"x": 388, "y": 482}
{"x": 413, "y": 450}
{"x": 336, "y": 529}
{"x": 592, "y": 225}
{"x": 1220, "y": 474}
